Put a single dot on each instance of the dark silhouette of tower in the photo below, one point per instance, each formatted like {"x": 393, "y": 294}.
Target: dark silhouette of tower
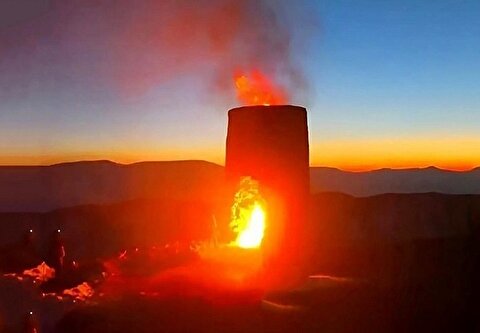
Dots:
{"x": 270, "y": 144}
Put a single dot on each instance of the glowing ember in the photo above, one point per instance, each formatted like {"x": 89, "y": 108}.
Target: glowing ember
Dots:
{"x": 40, "y": 273}
{"x": 248, "y": 215}
{"x": 80, "y": 293}
{"x": 256, "y": 89}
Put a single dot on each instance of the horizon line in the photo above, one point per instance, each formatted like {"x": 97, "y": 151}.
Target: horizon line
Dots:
{"x": 352, "y": 169}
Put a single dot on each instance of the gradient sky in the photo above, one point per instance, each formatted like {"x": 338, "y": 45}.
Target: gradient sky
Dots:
{"x": 388, "y": 84}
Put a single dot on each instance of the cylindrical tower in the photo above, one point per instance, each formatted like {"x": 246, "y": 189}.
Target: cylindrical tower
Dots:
{"x": 270, "y": 144}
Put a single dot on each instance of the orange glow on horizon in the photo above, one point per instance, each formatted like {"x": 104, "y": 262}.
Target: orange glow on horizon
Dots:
{"x": 454, "y": 153}
{"x": 374, "y": 167}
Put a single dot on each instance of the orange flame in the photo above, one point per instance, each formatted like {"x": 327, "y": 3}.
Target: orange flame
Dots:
{"x": 82, "y": 292}
{"x": 257, "y": 89}
{"x": 248, "y": 215}
{"x": 252, "y": 235}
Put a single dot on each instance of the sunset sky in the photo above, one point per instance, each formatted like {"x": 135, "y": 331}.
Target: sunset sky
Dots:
{"x": 386, "y": 83}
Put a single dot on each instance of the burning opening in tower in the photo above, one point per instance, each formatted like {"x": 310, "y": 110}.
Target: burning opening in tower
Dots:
{"x": 248, "y": 217}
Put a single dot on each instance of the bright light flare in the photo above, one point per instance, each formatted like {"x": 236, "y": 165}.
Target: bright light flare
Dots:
{"x": 248, "y": 215}
{"x": 252, "y": 235}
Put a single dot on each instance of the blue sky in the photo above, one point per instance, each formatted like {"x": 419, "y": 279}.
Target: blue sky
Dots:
{"x": 398, "y": 67}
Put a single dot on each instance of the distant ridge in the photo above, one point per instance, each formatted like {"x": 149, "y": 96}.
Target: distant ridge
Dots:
{"x": 419, "y": 180}
{"x": 98, "y": 162}
{"x": 105, "y": 161}
{"x": 44, "y": 188}
{"x": 431, "y": 167}
{"x": 82, "y": 162}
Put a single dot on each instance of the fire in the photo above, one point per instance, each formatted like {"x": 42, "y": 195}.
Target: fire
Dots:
{"x": 82, "y": 292}
{"x": 256, "y": 89}
{"x": 248, "y": 215}
{"x": 252, "y": 235}
{"x": 40, "y": 273}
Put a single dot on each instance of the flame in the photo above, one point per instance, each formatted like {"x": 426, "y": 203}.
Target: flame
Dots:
{"x": 81, "y": 292}
{"x": 252, "y": 235}
{"x": 248, "y": 215}
{"x": 256, "y": 89}
{"x": 40, "y": 273}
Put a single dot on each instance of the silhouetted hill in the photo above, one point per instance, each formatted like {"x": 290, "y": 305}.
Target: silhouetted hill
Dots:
{"x": 381, "y": 181}
{"x": 44, "y": 188}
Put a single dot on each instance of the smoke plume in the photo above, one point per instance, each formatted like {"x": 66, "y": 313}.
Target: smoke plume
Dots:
{"x": 137, "y": 45}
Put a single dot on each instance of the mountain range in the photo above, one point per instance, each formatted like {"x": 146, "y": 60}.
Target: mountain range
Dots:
{"x": 45, "y": 188}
